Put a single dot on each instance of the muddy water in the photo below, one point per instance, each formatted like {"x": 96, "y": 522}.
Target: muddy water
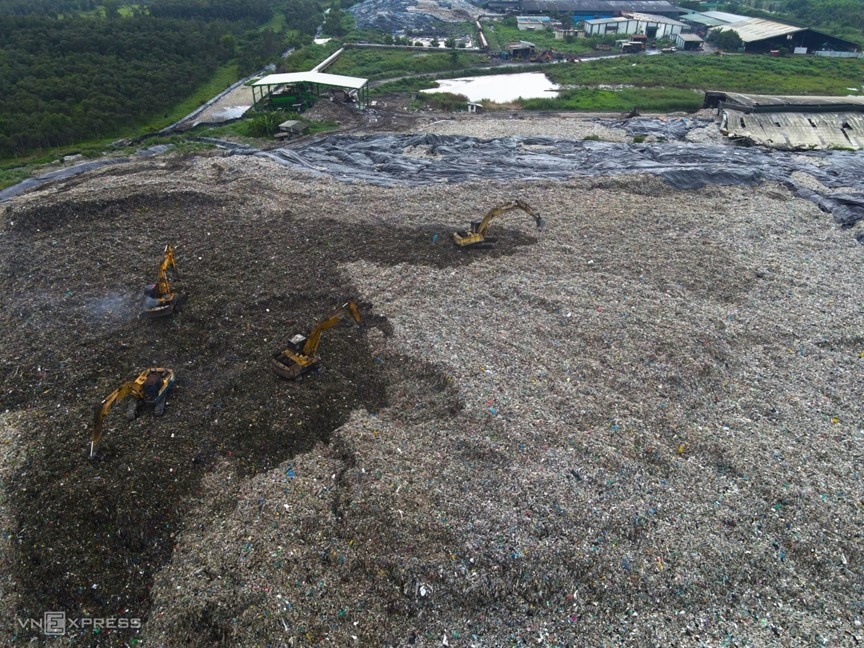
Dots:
{"x": 500, "y": 88}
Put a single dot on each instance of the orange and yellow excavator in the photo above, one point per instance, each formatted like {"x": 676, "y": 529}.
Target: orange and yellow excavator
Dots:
{"x": 476, "y": 236}
{"x": 301, "y": 356}
{"x": 150, "y": 387}
{"x": 159, "y": 300}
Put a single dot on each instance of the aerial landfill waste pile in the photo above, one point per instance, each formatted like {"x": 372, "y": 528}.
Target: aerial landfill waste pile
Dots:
{"x": 419, "y": 16}
{"x": 639, "y": 425}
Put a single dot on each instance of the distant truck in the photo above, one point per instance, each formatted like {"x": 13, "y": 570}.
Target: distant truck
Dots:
{"x": 631, "y": 47}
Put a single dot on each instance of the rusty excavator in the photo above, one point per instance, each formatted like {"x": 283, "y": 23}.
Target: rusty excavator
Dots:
{"x": 151, "y": 388}
{"x": 476, "y": 236}
{"x": 301, "y": 356}
{"x": 159, "y": 300}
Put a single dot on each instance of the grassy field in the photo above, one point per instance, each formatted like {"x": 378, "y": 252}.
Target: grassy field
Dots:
{"x": 603, "y": 100}
{"x": 741, "y": 73}
{"x": 499, "y": 34}
{"x": 307, "y": 57}
{"x": 652, "y": 83}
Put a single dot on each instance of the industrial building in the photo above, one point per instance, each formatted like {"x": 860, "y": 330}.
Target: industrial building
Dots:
{"x": 688, "y": 42}
{"x": 635, "y": 23}
{"x": 297, "y": 91}
{"x": 534, "y": 23}
{"x": 667, "y": 20}
{"x": 759, "y": 35}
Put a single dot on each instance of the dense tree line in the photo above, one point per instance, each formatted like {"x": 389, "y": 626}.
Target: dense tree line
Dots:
{"x": 303, "y": 16}
{"x": 68, "y": 77}
{"x": 45, "y": 7}
{"x": 258, "y": 11}
{"x": 828, "y": 12}
{"x": 64, "y": 81}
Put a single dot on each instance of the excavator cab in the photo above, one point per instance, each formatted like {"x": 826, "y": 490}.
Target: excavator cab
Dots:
{"x": 151, "y": 388}
{"x": 301, "y": 355}
{"x": 159, "y": 299}
{"x": 476, "y": 236}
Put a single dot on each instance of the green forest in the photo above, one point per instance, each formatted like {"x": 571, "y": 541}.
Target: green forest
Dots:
{"x": 77, "y": 70}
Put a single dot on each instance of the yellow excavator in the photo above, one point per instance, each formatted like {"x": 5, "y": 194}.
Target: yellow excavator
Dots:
{"x": 301, "y": 356}
{"x": 476, "y": 236}
{"x": 150, "y": 387}
{"x": 159, "y": 300}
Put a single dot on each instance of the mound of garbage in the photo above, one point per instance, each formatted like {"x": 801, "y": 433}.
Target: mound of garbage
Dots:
{"x": 419, "y": 16}
{"x": 639, "y": 426}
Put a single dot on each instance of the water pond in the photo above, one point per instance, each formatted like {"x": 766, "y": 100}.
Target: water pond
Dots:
{"x": 500, "y": 88}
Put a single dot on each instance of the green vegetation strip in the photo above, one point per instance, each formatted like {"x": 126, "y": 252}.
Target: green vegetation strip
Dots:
{"x": 306, "y": 58}
{"x": 742, "y": 73}
{"x": 500, "y": 34}
{"x": 603, "y": 100}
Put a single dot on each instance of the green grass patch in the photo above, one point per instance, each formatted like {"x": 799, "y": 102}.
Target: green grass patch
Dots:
{"x": 446, "y": 101}
{"x": 276, "y": 24}
{"x": 607, "y": 100}
{"x": 307, "y": 57}
{"x": 13, "y": 171}
{"x": 260, "y": 128}
{"x": 14, "y": 174}
{"x": 499, "y": 34}
{"x": 127, "y": 11}
{"x": 743, "y": 73}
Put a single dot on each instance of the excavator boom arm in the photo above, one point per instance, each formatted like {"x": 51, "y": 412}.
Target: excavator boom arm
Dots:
{"x": 131, "y": 388}
{"x": 314, "y": 339}
{"x": 140, "y": 388}
{"x": 162, "y": 276}
{"x": 518, "y": 203}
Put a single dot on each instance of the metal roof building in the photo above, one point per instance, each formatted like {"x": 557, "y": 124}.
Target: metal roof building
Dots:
{"x": 724, "y": 17}
{"x": 688, "y": 42}
{"x": 635, "y": 23}
{"x": 533, "y": 23}
{"x": 760, "y": 35}
{"x": 752, "y": 30}
{"x": 701, "y": 19}
{"x": 310, "y": 82}
{"x": 790, "y": 122}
